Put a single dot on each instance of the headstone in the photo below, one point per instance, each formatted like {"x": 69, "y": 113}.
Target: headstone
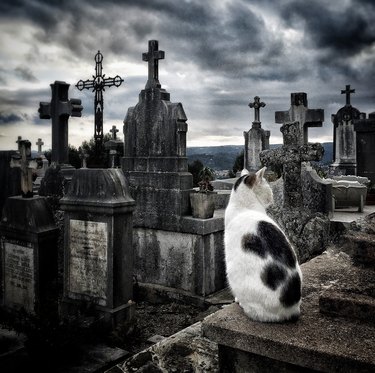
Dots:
{"x": 307, "y": 230}
{"x": 98, "y": 250}
{"x": 155, "y": 153}
{"x": 83, "y": 156}
{"x": 256, "y": 139}
{"x": 114, "y": 147}
{"x": 299, "y": 112}
{"x": 42, "y": 165}
{"x": 98, "y": 85}
{"x": 59, "y": 110}
{"x": 29, "y": 256}
{"x": 344, "y": 137}
{"x": 365, "y": 134}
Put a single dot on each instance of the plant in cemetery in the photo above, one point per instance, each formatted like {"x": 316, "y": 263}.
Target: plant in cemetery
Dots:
{"x": 206, "y": 175}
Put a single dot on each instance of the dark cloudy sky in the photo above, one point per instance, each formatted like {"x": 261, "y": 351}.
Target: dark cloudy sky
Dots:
{"x": 219, "y": 54}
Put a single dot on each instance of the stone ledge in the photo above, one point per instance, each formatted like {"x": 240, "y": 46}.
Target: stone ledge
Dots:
{"x": 203, "y": 226}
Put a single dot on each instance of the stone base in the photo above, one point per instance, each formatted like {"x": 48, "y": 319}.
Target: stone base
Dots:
{"x": 191, "y": 260}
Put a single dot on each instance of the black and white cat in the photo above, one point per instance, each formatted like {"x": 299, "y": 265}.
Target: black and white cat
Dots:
{"x": 262, "y": 268}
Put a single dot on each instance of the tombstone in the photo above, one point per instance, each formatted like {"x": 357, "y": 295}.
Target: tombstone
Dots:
{"x": 256, "y": 139}
{"x": 114, "y": 147}
{"x": 299, "y": 112}
{"x": 365, "y": 134}
{"x": 293, "y": 214}
{"x": 42, "y": 165}
{"x": 59, "y": 110}
{"x": 83, "y": 156}
{"x": 28, "y": 242}
{"x": 344, "y": 137}
{"x": 98, "y": 85}
{"x": 98, "y": 250}
{"x": 174, "y": 252}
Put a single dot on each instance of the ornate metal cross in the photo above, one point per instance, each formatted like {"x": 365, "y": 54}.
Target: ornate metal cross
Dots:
{"x": 98, "y": 84}
{"x": 39, "y": 143}
{"x": 59, "y": 110}
{"x": 347, "y": 92}
{"x": 152, "y": 57}
{"x": 27, "y": 165}
{"x": 114, "y": 130}
{"x": 256, "y": 105}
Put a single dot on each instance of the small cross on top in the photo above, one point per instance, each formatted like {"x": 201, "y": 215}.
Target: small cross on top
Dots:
{"x": 39, "y": 143}
{"x": 114, "y": 130}
{"x": 256, "y": 105}
{"x": 347, "y": 92}
{"x": 152, "y": 57}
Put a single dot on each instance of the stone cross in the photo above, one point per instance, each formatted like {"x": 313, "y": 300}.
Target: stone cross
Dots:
{"x": 152, "y": 57}
{"x": 114, "y": 130}
{"x": 27, "y": 165}
{"x": 256, "y": 105}
{"x": 83, "y": 156}
{"x": 19, "y": 138}
{"x": 39, "y": 143}
{"x": 59, "y": 110}
{"x": 290, "y": 156}
{"x": 301, "y": 113}
{"x": 98, "y": 85}
{"x": 347, "y": 92}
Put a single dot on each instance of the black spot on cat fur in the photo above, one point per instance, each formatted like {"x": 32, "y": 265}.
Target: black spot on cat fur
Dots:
{"x": 291, "y": 292}
{"x": 273, "y": 275}
{"x": 248, "y": 179}
{"x": 238, "y": 182}
{"x": 275, "y": 243}
{"x": 252, "y": 243}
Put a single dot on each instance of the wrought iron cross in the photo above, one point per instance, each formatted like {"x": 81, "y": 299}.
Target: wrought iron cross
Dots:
{"x": 347, "y": 92}
{"x": 256, "y": 105}
{"x": 98, "y": 84}
{"x": 152, "y": 57}
{"x": 114, "y": 130}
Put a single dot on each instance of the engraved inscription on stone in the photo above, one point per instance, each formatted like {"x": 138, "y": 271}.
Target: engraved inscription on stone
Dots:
{"x": 88, "y": 259}
{"x": 19, "y": 276}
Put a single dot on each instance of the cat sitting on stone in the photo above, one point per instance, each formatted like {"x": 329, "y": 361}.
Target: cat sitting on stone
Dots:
{"x": 262, "y": 268}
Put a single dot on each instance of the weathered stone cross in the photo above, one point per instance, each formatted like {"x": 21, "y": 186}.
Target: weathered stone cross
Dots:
{"x": 59, "y": 110}
{"x": 290, "y": 156}
{"x": 19, "y": 138}
{"x": 83, "y": 156}
{"x": 347, "y": 92}
{"x": 299, "y": 112}
{"x": 152, "y": 57}
{"x": 256, "y": 105}
{"x": 98, "y": 85}
{"x": 39, "y": 143}
{"x": 27, "y": 165}
{"x": 114, "y": 130}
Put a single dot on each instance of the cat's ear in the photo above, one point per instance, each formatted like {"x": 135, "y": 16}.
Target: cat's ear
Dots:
{"x": 244, "y": 172}
{"x": 260, "y": 174}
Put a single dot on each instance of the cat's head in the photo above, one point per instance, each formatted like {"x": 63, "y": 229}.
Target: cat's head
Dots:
{"x": 256, "y": 183}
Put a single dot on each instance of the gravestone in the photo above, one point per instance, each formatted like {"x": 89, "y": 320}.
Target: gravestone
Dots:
{"x": 29, "y": 246}
{"x": 114, "y": 147}
{"x": 174, "y": 252}
{"x": 307, "y": 230}
{"x": 98, "y": 85}
{"x": 98, "y": 250}
{"x": 299, "y": 112}
{"x": 59, "y": 110}
{"x": 344, "y": 137}
{"x": 83, "y": 156}
{"x": 256, "y": 139}
{"x": 42, "y": 165}
{"x": 365, "y": 134}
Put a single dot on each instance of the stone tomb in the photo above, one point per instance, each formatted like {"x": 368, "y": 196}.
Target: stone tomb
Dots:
{"x": 29, "y": 255}
{"x": 98, "y": 250}
{"x": 172, "y": 250}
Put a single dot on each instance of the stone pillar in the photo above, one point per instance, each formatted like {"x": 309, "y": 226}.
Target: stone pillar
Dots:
{"x": 29, "y": 256}
{"x": 98, "y": 248}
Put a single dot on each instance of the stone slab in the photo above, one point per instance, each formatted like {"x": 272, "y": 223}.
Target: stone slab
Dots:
{"x": 203, "y": 226}
{"x": 316, "y": 341}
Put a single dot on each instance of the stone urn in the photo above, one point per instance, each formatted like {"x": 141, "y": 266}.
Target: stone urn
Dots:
{"x": 203, "y": 204}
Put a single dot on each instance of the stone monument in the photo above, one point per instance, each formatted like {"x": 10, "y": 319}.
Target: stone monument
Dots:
{"x": 344, "y": 137}
{"x": 42, "y": 162}
{"x": 98, "y": 250}
{"x": 59, "y": 110}
{"x": 114, "y": 147}
{"x": 299, "y": 112}
{"x": 173, "y": 251}
{"x": 28, "y": 245}
{"x": 256, "y": 139}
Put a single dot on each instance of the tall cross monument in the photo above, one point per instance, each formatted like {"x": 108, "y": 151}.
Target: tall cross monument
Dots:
{"x": 98, "y": 85}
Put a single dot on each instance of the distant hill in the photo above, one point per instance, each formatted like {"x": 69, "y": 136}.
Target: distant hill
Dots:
{"x": 223, "y": 157}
